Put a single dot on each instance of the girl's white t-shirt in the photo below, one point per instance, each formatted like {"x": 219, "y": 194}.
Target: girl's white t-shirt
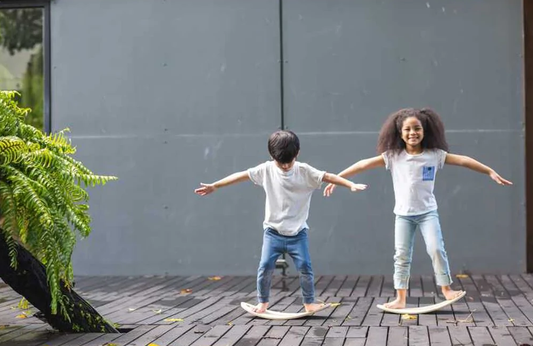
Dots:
{"x": 413, "y": 177}
{"x": 288, "y": 194}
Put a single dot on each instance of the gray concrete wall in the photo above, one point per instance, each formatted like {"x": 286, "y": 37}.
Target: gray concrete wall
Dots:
{"x": 168, "y": 94}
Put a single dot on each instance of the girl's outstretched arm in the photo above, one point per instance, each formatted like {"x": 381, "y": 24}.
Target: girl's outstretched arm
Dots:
{"x": 358, "y": 167}
{"x": 234, "y": 178}
{"x": 468, "y": 162}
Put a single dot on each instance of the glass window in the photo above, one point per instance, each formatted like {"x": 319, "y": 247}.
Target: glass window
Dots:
{"x": 22, "y": 58}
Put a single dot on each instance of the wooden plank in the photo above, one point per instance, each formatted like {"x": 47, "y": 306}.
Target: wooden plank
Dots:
{"x": 415, "y": 286}
{"x": 354, "y": 342}
{"x": 150, "y": 336}
{"x": 333, "y": 342}
{"x": 337, "y": 332}
{"x": 473, "y": 301}
{"x": 81, "y": 339}
{"x": 341, "y": 313}
{"x": 377, "y": 336}
{"x": 431, "y": 318}
{"x": 387, "y": 288}
{"x": 232, "y": 336}
{"x": 347, "y": 286}
{"x": 398, "y": 336}
{"x": 520, "y": 334}
{"x": 392, "y": 320}
{"x": 501, "y": 336}
{"x": 418, "y": 336}
{"x": 190, "y": 336}
{"x": 32, "y": 337}
{"x": 103, "y": 340}
{"x": 459, "y": 335}
{"x": 186, "y": 312}
{"x": 374, "y": 288}
{"x": 315, "y": 336}
{"x": 253, "y": 336}
{"x": 480, "y": 336}
{"x": 322, "y": 283}
{"x": 294, "y": 336}
{"x": 136, "y": 333}
{"x": 209, "y": 338}
{"x": 362, "y": 286}
{"x": 359, "y": 312}
{"x": 20, "y": 331}
{"x": 429, "y": 286}
{"x": 374, "y": 316}
{"x": 497, "y": 314}
{"x": 439, "y": 336}
{"x": 58, "y": 339}
{"x": 334, "y": 286}
{"x": 357, "y": 332}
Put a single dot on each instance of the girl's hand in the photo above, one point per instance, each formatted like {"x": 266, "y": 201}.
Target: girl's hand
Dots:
{"x": 329, "y": 189}
{"x": 206, "y": 189}
{"x": 358, "y": 187}
{"x": 496, "y": 177}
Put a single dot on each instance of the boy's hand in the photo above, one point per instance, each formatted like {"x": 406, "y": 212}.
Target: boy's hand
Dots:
{"x": 206, "y": 189}
{"x": 496, "y": 177}
{"x": 328, "y": 191}
{"x": 358, "y": 187}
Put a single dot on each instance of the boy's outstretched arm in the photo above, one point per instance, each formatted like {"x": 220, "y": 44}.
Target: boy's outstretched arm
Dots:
{"x": 468, "y": 162}
{"x": 358, "y": 167}
{"x": 234, "y": 178}
{"x": 336, "y": 180}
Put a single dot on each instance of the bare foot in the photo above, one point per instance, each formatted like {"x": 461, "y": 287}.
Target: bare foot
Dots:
{"x": 260, "y": 308}
{"x": 450, "y": 294}
{"x": 313, "y": 307}
{"x": 395, "y": 304}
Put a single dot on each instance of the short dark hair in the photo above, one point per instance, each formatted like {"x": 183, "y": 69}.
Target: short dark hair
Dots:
{"x": 283, "y": 146}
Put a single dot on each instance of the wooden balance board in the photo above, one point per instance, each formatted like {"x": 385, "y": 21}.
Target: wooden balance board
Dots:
{"x": 275, "y": 315}
{"x": 423, "y": 309}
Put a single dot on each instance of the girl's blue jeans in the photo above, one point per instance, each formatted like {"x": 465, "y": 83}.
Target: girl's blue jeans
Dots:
{"x": 404, "y": 235}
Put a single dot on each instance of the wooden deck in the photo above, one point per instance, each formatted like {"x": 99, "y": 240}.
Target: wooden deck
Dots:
{"x": 203, "y": 311}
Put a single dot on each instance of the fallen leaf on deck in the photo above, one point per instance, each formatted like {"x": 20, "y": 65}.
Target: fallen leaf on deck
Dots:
{"x": 23, "y": 304}
{"x": 214, "y": 278}
{"x": 131, "y": 309}
{"x": 408, "y": 317}
{"x": 21, "y": 316}
{"x": 335, "y": 304}
{"x": 152, "y": 344}
{"x": 230, "y": 324}
{"x": 511, "y": 320}
{"x": 186, "y": 290}
{"x": 157, "y": 311}
{"x": 173, "y": 319}
{"x": 461, "y": 276}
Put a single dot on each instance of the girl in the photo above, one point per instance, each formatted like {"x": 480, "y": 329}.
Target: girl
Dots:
{"x": 412, "y": 145}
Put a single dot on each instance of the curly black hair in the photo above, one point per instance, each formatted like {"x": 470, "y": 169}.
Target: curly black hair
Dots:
{"x": 390, "y": 136}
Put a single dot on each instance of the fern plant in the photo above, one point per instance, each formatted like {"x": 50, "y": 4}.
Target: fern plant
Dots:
{"x": 43, "y": 198}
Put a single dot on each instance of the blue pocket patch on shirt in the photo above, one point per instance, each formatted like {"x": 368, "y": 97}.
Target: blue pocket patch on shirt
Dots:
{"x": 428, "y": 173}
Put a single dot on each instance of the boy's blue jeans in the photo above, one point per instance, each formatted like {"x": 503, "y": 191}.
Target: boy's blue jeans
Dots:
{"x": 275, "y": 244}
{"x": 404, "y": 236}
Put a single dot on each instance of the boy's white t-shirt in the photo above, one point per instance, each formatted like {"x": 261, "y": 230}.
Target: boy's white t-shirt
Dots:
{"x": 288, "y": 194}
{"x": 413, "y": 177}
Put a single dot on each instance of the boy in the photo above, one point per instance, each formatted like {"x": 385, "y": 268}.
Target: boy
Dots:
{"x": 288, "y": 185}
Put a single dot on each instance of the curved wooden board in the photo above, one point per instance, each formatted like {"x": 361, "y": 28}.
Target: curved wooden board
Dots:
{"x": 422, "y": 309}
{"x": 275, "y": 315}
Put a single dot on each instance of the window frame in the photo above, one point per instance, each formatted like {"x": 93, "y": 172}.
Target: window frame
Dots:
{"x": 45, "y": 5}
